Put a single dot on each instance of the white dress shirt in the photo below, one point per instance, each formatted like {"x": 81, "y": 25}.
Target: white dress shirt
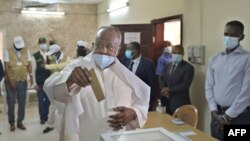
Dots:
{"x": 136, "y": 64}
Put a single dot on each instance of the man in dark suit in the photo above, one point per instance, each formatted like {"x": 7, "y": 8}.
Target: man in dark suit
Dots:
{"x": 140, "y": 66}
{"x": 175, "y": 81}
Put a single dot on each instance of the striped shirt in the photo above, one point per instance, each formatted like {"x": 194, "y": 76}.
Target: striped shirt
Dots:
{"x": 228, "y": 81}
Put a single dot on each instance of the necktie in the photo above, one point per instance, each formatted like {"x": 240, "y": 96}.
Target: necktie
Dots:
{"x": 170, "y": 77}
{"x": 130, "y": 67}
{"x": 173, "y": 69}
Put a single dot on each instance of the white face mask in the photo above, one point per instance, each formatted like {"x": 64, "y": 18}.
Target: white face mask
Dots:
{"x": 176, "y": 58}
{"x": 43, "y": 47}
{"x": 103, "y": 61}
{"x": 167, "y": 49}
{"x": 230, "y": 42}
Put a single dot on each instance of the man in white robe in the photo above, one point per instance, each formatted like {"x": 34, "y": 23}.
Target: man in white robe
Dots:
{"x": 126, "y": 100}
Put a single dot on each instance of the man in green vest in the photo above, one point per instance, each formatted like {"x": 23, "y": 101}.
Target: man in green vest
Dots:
{"x": 17, "y": 62}
{"x": 41, "y": 74}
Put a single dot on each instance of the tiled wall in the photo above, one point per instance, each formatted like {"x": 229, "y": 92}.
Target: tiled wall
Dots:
{"x": 80, "y": 22}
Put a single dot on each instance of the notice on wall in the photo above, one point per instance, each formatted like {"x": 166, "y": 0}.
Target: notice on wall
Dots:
{"x": 132, "y": 37}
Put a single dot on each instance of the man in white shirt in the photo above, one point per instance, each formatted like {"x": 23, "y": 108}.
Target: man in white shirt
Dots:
{"x": 17, "y": 61}
{"x": 126, "y": 97}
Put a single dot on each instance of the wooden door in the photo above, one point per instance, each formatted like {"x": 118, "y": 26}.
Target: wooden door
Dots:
{"x": 158, "y": 33}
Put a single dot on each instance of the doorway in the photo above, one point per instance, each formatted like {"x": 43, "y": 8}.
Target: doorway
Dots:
{"x": 1, "y": 44}
{"x": 166, "y": 29}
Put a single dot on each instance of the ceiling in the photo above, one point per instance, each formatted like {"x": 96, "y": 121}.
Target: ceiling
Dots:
{"x": 65, "y": 1}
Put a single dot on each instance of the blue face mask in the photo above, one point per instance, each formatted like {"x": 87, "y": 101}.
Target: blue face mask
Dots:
{"x": 176, "y": 58}
{"x": 103, "y": 61}
{"x": 230, "y": 42}
{"x": 128, "y": 54}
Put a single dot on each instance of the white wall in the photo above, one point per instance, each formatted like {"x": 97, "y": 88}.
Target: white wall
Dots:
{"x": 204, "y": 22}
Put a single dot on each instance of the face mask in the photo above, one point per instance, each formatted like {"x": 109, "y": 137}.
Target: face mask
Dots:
{"x": 56, "y": 55}
{"x": 103, "y": 61}
{"x": 17, "y": 48}
{"x": 230, "y": 42}
{"x": 82, "y": 52}
{"x": 176, "y": 58}
{"x": 128, "y": 54}
{"x": 166, "y": 49}
{"x": 43, "y": 47}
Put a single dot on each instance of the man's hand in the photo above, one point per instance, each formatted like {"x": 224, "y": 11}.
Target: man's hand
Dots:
{"x": 165, "y": 91}
{"x": 220, "y": 120}
{"x": 42, "y": 65}
{"x": 31, "y": 82}
{"x": 122, "y": 118}
{"x": 12, "y": 85}
{"x": 37, "y": 88}
{"x": 79, "y": 76}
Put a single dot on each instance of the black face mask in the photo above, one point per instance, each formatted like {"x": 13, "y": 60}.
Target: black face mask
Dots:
{"x": 81, "y": 52}
{"x": 57, "y": 54}
{"x": 16, "y": 48}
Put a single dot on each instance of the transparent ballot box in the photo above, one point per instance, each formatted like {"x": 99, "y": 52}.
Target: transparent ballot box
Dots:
{"x": 151, "y": 134}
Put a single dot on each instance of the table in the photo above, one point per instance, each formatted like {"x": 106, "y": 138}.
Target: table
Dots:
{"x": 164, "y": 120}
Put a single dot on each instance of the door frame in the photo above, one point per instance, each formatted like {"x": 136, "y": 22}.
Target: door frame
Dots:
{"x": 158, "y": 32}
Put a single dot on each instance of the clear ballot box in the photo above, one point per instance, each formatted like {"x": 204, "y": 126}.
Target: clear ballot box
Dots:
{"x": 151, "y": 134}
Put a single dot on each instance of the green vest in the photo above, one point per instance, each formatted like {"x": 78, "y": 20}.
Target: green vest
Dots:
{"x": 41, "y": 73}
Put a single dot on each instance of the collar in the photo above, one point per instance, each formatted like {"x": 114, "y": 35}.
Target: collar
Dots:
{"x": 239, "y": 49}
{"x": 137, "y": 60}
{"x": 43, "y": 53}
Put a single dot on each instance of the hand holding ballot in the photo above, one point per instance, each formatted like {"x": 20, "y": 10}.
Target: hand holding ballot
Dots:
{"x": 80, "y": 76}
{"x": 83, "y": 77}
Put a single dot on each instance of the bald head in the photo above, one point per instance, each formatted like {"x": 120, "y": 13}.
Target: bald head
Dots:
{"x": 107, "y": 40}
{"x": 178, "y": 49}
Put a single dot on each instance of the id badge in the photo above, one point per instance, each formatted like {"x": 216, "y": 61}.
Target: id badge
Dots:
{"x": 19, "y": 63}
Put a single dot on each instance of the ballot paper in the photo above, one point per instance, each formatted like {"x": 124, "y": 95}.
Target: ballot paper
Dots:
{"x": 187, "y": 133}
{"x": 96, "y": 87}
{"x": 177, "y": 121}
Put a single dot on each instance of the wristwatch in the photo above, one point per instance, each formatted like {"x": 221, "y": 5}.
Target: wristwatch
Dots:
{"x": 227, "y": 118}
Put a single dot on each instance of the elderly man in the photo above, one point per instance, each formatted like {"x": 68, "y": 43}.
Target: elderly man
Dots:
{"x": 126, "y": 97}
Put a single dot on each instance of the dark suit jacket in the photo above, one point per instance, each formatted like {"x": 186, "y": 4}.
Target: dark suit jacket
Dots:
{"x": 146, "y": 72}
{"x": 178, "y": 84}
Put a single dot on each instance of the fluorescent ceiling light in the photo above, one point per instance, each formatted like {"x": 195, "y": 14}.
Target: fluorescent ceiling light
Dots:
{"x": 43, "y": 12}
{"x": 117, "y": 7}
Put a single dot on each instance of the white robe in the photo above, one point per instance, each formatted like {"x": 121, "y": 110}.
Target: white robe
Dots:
{"x": 84, "y": 117}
